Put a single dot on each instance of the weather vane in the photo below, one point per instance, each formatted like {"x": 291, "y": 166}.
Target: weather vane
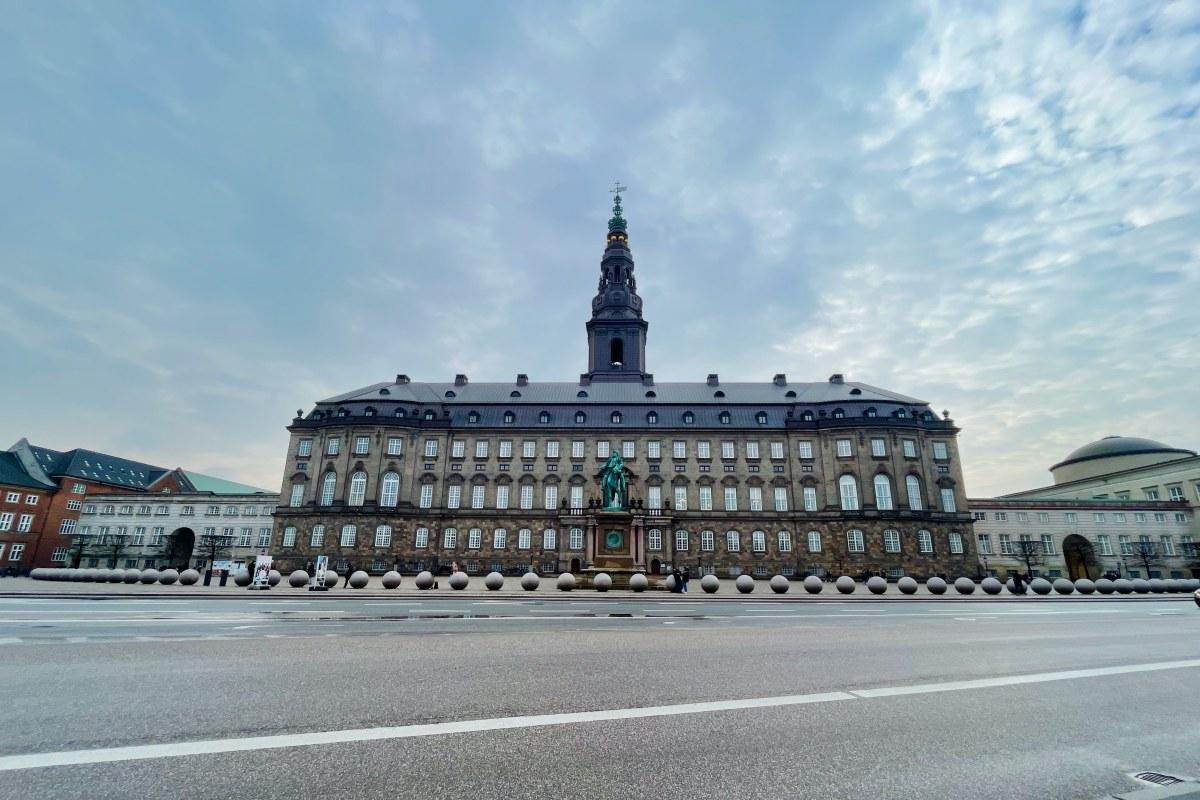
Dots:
{"x": 617, "y": 188}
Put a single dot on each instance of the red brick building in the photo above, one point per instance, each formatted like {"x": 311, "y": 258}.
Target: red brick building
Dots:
{"x": 24, "y": 504}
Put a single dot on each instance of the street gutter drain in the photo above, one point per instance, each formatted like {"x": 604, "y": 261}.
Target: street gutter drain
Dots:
{"x": 1157, "y": 778}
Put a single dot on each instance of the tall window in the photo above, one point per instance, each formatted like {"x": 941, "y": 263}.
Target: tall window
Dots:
{"x": 654, "y": 539}
{"x": 883, "y": 493}
{"x": 477, "y": 495}
{"x": 848, "y": 488}
{"x": 506, "y": 448}
{"x": 681, "y": 498}
{"x": 431, "y": 448}
{"x": 776, "y": 449}
{"x": 304, "y": 448}
{"x": 527, "y": 496}
{"x": 395, "y": 446}
{"x": 1126, "y": 545}
{"x": 576, "y": 497}
{"x": 704, "y": 449}
{"x": 727, "y": 450}
{"x": 910, "y": 447}
{"x": 854, "y": 541}
{"x": 804, "y": 449}
{"x": 781, "y": 498}
{"x": 454, "y": 497}
{"x": 1105, "y": 545}
{"x": 349, "y": 535}
{"x": 758, "y": 541}
{"x": 389, "y": 489}
{"x": 358, "y": 488}
{"x": 706, "y": 541}
{"x": 264, "y": 537}
{"x": 1047, "y": 544}
{"x": 785, "y": 541}
{"x": 628, "y": 449}
{"x": 679, "y": 449}
{"x": 810, "y": 498}
{"x": 925, "y": 541}
{"x": 814, "y": 541}
{"x": 575, "y": 540}
{"x": 529, "y": 448}
{"x": 474, "y": 539}
{"x": 731, "y": 498}
{"x": 317, "y": 537}
{"x": 654, "y": 497}
{"x": 499, "y": 539}
{"x": 426, "y": 498}
{"x": 1168, "y": 545}
{"x": 878, "y": 447}
{"x": 1006, "y": 548}
{"x": 756, "y": 498}
{"x": 481, "y": 448}
{"x": 985, "y": 544}
{"x": 362, "y": 445}
{"x": 552, "y": 449}
{"x": 751, "y": 449}
{"x": 577, "y": 449}
{"x": 328, "y": 486}
{"x": 843, "y": 448}
{"x": 289, "y": 536}
{"x": 524, "y": 539}
{"x": 551, "y": 497}
{"x": 333, "y": 446}
{"x": 681, "y": 540}
{"x": 601, "y": 449}
{"x": 948, "y": 503}
{"x": 297, "y": 498}
{"x": 421, "y": 538}
{"x": 502, "y": 497}
{"x": 706, "y": 498}
{"x": 654, "y": 449}
{"x": 458, "y": 448}
{"x": 733, "y": 541}
{"x": 383, "y": 536}
{"x": 891, "y": 541}
{"x": 939, "y": 451}
{"x": 912, "y": 485}
{"x": 449, "y": 538}
{"x": 956, "y": 543}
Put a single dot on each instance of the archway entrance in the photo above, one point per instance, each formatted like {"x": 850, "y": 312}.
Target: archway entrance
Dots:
{"x": 180, "y": 547}
{"x": 655, "y": 566}
{"x": 1080, "y": 558}
{"x": 575, "y": 565}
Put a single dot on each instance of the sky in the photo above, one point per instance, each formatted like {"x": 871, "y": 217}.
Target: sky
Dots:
{"x": 216, "y": 213}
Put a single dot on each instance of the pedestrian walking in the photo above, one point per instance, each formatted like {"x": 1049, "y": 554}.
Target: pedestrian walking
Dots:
{"x": 678, "y": 576}
{"x": 686, "y": 577}
{"x": 349, "y": 572}
{"x": 1018, "y": 583}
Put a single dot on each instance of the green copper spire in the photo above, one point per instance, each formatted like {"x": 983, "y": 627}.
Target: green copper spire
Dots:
{"x": 617, "y": 223}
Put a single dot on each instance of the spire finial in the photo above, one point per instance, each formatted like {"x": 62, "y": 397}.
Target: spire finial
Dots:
{"x": 618, "y": 221}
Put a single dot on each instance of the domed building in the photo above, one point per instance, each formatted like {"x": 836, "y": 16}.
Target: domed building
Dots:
{"x": 1114, "y": 454}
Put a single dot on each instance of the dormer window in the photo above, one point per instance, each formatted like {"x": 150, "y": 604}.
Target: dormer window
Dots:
{"x": 870, "y": 412}
{"x": 581, "y": 394}
{"x": 450, "y": 395}
{"x": 544, "y": 417}
{"x": 651, "y": 394}
{"x": 615, "y": 418}
{"x": 580, "y": 417}
{"x": 473, "y": 417}
{"x": 509, "y": 418}
{"x": 652, "y": 418}
{"x": 514, "y": 393}
{"x": 370, "y": 412}
{"x": 839, "y": 413}
{"x": 807, "y": 416}
{"x": 724, "y": 418}
{"x": 856, "y": 390}
{"x": 429, "y": 414}
{"x": 790, "y": 393}
{"x": 761, "y": 418}
{"x": 385, "y": 392}
{"x": 901, "y": 413}
{"x": 399, "y": 412}
{"x": 343, "y": 412}
{"x": 688, "y": 418}
{"x": 718, "y": 394}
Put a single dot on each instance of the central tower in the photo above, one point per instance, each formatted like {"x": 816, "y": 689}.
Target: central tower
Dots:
{"x": 616, "y": 332}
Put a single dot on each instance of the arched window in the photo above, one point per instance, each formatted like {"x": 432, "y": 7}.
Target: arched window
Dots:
{"x": 581, "y": 394}
{"x": 901, "y": 413}
{"x": 848, "y": 489}
{"x": 839, "y": 413}
{"x": 399, "y": 412}
{"x": 514, "y": 393}
{"x": 718, "y": 394}
{"x": 891, "y": 541}
{"x": 871, "y": 412}
{"x": 652, "y": 418}
{"x": 814, "y": 541}
{"x": 654, "y": 539}
{"x": 616, "y": 417}
{"x": 758, "y": 541}
{"x": 733, "y": 541}
{"x": 389, "y": 489}
{"x": 429, "y": 414}
{"x": 328, "y": 487}
{"x": 450, "y": 394}
{"x": 761, "y": 418}
{"x": 807, "y": 416}
{"x": 383, "y": 536}
{"x": 509, "y": 418}
{"x": 616, "y": 352}
{"x": 580, "y": 417}
{"x": 474, "y": 538}
{"x": 449, "y": 538}
{"x": 349, "y": 535}
{"x": 924, "y": 541}
{"x": 343, "y": 412}
{"x": 358, "y": 488}
{"x": 912, "y": 485}
{"x": 370, "y": 412}
{"x": 688, "y": 418}
{"x": 785, "y": 542}
{"x": 681, "y": 540}
{"x": 473, "y": 417}
{"x": 883, "y": 493}
{"x": 790, "y": 393}
{"x": 544, "y": 417}
{"x": 723, "y": 418}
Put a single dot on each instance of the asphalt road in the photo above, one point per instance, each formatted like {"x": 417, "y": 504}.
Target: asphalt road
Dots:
{"x": 446, "y": 697}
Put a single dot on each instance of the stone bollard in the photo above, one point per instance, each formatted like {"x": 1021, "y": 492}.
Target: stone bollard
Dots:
{"x": 907, "y": 585}
{"x": 168, "y": 576}
{"x": 1040, "y": 586}
{"x": 876, "y": 585}
{"x": 331, "y": 579}
{"x": 602, "y": 582}
{"x": 493, "y": 581}
{"x": 359, "y": 579}
{"x": 565, "y": 582}
{"x": 530, "y": 581}
{"x": 132, "y": 576}
{"x": 38, "y": 573}
{"x": 1141, "y": 586}
{"x": 638, "y": 582}
{"x": 1174, "y": 586}
{"x": 991, "y": 586}
{"x": 1157, "y": 585}
{"x": 964, "y": 585}
{"x": 936, "y": 585}
{"x": 149, "y": 576}
{"x": 242, "y": 577}
{"x": 780, "y": 584}
{"x": 1104, "y": 586}
{"x": 669, "y": 583}
{"x": 116, "y": 575}
{"x": 1085, "y": 586}
{"x": 424, "y": 580}
{"x": 845, "y": 584}
{"x": 189, "y": 577}
{"x": 298, "y": 579}
{"x": 813, "y": 584}
{"x": 390, "y": 580}
{"x": 710, "y": 584}
{"x": 99, "y": 575}
{"x": 1063, "y": 586}
{"x": 1123, "y": 586}
{"x": 744, "y": 584}
{"x": 459, "y": 581}
{"x": 273, "y": 577}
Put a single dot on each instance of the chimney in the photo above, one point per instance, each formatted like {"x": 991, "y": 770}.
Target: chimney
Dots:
{"x": 780, "y": 380}
{"x": 460, "y": 380}
{"x": 837, "y": 377}
{"x": 713, "y": 380}
{"x": 401, "y": 379}
{"x": 522, "y": 379}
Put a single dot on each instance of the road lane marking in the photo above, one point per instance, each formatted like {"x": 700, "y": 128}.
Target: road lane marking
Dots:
{"x": 282, "y": 741}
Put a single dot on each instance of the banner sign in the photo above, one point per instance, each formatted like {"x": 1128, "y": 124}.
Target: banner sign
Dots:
{"x": 262, "y": 571}
{"x": 322, "y": 566}
{"x": 222, "y": 565}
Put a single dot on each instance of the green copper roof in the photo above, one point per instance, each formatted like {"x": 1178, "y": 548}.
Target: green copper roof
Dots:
{"x": 207, "y": 483}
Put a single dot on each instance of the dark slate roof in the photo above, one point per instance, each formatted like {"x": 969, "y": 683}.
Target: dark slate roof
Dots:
{"x": 12, "y": 473}
{"x": 1111, "y": 446}
{"x": 99, "y": 467}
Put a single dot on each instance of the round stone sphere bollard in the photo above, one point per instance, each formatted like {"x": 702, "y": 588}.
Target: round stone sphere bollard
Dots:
{"x": 845, "y": 584}
{"x": 565, "y": 582}
{"x": 964, "y": 585}
{"x": 298, "y": 578}
{"x": 116, "y": 575}
{"x": 1040, "y": 586}
{"x": 710, "y": 584}
{"x": 1158, "y": 585}
{"x": 1123, "y": 586}
{"x": 459, "y": 581}
{"x": 102, "y": 574}
{"x": 1085, "y": 586}
{"x": 360, "y": 579}
{"x": 242, "y": 577}
{"x": 189, "y": 577}
{"x": 1104, "y": 586}
{"x": 168, "y": 576}
{"x": 132, "y": 576}
{"x": 1141, "y": 586}
{"x": 813, "y": 584}
{"x": 149, "y": 575}
{"x": 602, "y": 582}
{"x": 744, "y": 584}
{"x": 876, "y": 585}
{"x": 390, "y": 580}
{"x": 1063, "y": 586}
{"x": 493, "y": 581}
{"x": 669, "y": 582}
{"x": 638, "y": 582}
{"x": 1172, "y": 585}
{"x": 38, "y": 574}
{"x": 991, "y": 586}
{"x": 907, "y": 585}
{"x": 530, "y": 581}
{"x": 273, "y": 577}
{"x": 89, "y": 574}
{"x": 780, "y": 584}
{"x": 331, "y": 578}
{"x": 424, "y": 580}
{"x": 936, "y": 585}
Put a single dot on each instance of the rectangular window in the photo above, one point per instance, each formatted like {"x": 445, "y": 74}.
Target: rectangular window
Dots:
{"x": 477, "y": 492}
{"x": 706, "y": 498}
{"x": 157, "y": 535}
{"x": 733, "y": 541}
{"x": 333, "y": 446}
{"x": 948, "y": 503}
{"x": 474, "y": 539}
{"x": 680, "y": 498}
{"x": 704, "y": 449}
{"x": 431, "y": 448}
{"x": 1126, "y": 545}
{"x": 575, "y": 542}
{"x": 244, "y": 538}
{"x": 297, "y": 495}
{"x": 891, "y": 541}
{"x": 304, "y": 448}
{"x": 32, "y": 500}
{"x": 804, "y": 449}
{"x": 499, "y": 539}
{"x": 985, "y": 544}
{"x": 502, "y": 497}
{"x": 12, "y": 497}
{"x": 317, "y": 538}
{"x": 956, "y": 543}
{"x": 59, "y": 555}
{"x": 1105, "y": 545}
{"x": 751, "y": 449}
{"x": 653, "y": 449}
{"x": 1174, "y": 492}
{"x": 1070, "y": 517}
{"x": 549, "y": 539}
{"x": 776, "y": 449}
{"x": 524, "y": 539}
{"x": 550, "y": 497}
{"x": 924, "y": 541}
{"x": 910, "y": 447}
{"x": 731, "y": 498}
{"x": 810, "y": 498}
{"x": 939, "y": 451}
{"x": 481, "y": 449}
{"x": 1006, "y": 548}
{"x": 1168, "y": 545}
{"x": 628, "y": 449}
{"x": 706, "y": 541}
{"x": 395, "y": 445}
{"x": 289, "y": 536}
{"x": 756, "y": 498}
{"x": 1048, "y": 544}
{"x": 601, "y": 449}
{"x": 814, "y": 542}
{"x": 6, "y": 520}
{"x": 362, "y": 444}
{"x": 878, "y": 447}
{"x": 505, "y": 448}
{"x": 552, "y": 448}
{"x": 758, "y": 541}
{"x": 1043, "y": 516}
{"x": 15, "y": 552}
{"x": 25, "y": 523}
{"x": 1139, "y": 517}
{"x": 66, "y": 527}
{"x": 654, "y": 497}
{"x": 781, "y": 498}
{"x": 454, "y": 498}
{"x": 264, "y": 537}
{"x": 576, "y": 497}
{"x": 458, "y": 448}
{"x": 421, "y": 539}
{"x": 577, "y": 449}
{"x": 843, "y": 448}
{"x": 1098, "y": 518}
{"x": 1160, "y": 518}
{"x": 426, "y": 498}
{"x": 527, "y": 496}
{"x": 139, "y": 536}
{"x": 854, "y": 541}
{"x": 727, "y": 450}
{"x": 529, "y": 448}
{"x": 449, "y": 538}
{"x": 78, "y": 488}
{"x": 1001, "y": 516}
{"x": 1151, "y": 493}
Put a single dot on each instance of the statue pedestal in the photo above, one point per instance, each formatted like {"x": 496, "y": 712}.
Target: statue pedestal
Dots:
{"x": 614, "y": 543}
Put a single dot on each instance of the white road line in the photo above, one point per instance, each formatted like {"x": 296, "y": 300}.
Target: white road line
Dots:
{"x": 96, "y": 610}
{"x": 211, "y": 746}
{"x": 10, "y": 640}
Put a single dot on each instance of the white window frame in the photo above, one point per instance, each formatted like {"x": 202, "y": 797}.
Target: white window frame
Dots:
{"x": 848, "y": 492}
{"x": 855, "y": 543}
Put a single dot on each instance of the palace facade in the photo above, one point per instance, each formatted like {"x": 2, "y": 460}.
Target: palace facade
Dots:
{"x": 775, "y": 477}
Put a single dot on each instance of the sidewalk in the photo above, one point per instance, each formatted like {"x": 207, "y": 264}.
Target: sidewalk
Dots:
{"x": 28, "y": 587}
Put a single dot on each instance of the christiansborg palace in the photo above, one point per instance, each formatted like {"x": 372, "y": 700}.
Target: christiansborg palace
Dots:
{"x": 765, "y": 478}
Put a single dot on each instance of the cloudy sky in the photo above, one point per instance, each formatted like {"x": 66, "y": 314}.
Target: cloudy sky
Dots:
{"x": 216, "y": 213}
